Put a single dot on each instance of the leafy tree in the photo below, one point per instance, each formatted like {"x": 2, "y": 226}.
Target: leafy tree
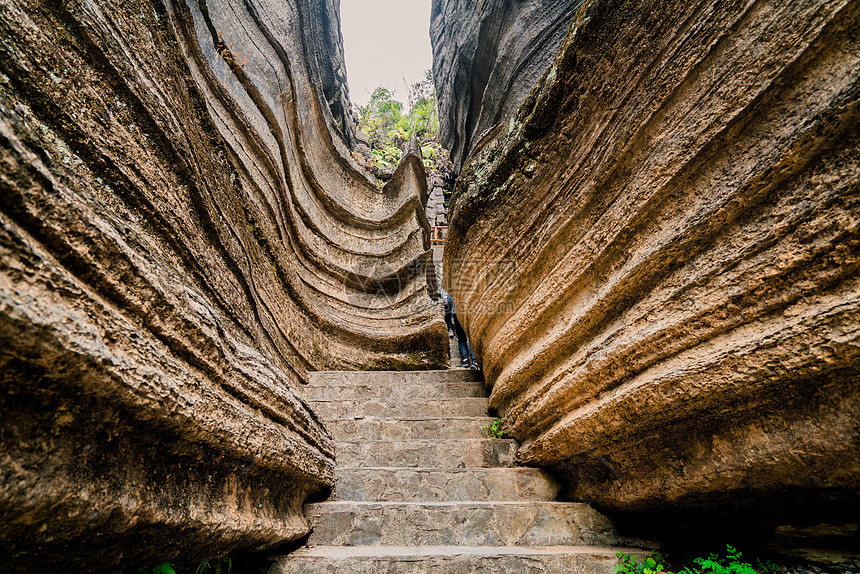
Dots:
{"x": 388, "y": 127}
{"x": 382, "y": 120}
{"x": 426, "y": 88}
{"x": 423, "y": 118}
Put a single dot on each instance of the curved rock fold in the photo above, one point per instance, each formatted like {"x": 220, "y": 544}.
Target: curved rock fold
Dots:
{"x": 184, "y": 235}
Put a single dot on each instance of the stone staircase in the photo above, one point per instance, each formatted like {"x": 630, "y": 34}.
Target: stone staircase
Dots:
{"x": 421, "y": 489}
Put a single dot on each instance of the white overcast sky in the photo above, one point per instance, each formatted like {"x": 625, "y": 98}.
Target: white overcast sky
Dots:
{"x": 384, "y": 42}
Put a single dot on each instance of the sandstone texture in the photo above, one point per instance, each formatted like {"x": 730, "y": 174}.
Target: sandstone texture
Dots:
{"x": 656, "y": 260}
{"x": 430, "y": 503}
{"x": 184, "y": 234}
{"x": 487, "y": 56}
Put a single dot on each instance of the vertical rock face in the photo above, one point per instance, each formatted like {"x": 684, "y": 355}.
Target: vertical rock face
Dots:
{"x": 486, "y": 58}
{"x": 325, "y": 51}
{"x": 657, "y": 263}
{"x": 183, "y": 236}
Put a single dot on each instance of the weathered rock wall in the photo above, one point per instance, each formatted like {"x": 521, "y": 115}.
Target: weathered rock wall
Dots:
{"x": 183, "y": 236}
{"x": 487, "y": 56}
{"x": 657, "y": 263}
{"x": 325, "y": 50}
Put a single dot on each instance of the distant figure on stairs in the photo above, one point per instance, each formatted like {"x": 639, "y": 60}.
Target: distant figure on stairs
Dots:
{"x": 467, "y": 357}
{"x": 449, "y": 311}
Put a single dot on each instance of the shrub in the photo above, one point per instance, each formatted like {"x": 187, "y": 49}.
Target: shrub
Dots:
{"x": 388, "y": 128}
{"x": 731, "y": 563}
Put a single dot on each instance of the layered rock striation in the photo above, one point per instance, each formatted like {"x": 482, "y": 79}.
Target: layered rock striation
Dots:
{"x": 183, "y": 236}
{"x": 657, "y": 262}
{"x": 487, "y": 56}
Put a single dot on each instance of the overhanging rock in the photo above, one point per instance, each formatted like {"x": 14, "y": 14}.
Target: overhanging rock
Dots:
{"x": 487, "y": 56}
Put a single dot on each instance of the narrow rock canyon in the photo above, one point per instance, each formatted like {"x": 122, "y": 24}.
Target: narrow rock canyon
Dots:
{"x": 654, "y": 246}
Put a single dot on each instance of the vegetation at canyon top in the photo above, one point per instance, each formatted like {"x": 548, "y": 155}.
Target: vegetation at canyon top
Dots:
{"x": 387, "y": 127}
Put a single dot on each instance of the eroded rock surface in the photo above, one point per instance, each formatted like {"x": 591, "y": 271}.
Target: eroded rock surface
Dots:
{"x": 487, "y": 56}
{"x": 656, "y": 261}
{"x": 183, "y": 236}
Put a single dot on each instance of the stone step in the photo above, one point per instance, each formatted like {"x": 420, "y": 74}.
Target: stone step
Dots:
{"x": 395, "y": 408}
{"x": 400, "y": 391}
{"x": 376, "y": 378}
{"x": 447, "y": 453}
{"x": 443, "y": 485}
{"x": 458, "y": 523}
{"x": 419, "y": 487}
{"x": 373, "y": 428}
{"x": 451, "y": 560}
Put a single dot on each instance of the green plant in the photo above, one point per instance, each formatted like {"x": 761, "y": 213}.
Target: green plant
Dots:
{"x": 626, "y": 563}
{"x": 630, "y": 564}
{"x": 713, "y": 564}
{"x": 381, "y": 119}
{"x": 222, "y": 565}
{"x": 730, "y": 564}
{"x": 494, "y": 429}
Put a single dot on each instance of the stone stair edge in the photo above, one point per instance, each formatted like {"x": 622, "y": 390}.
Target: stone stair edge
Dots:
{"x": 407, "y": 419}
{"x": 492, "y": 469}
{"x": 428, "y": 441}
{"x": 396, "y": 390}
{"x": 442, "y": 484}
{"x": 460, "y": 504}
{"x": 466, "y": 400}
{"x": 423, "y": 551}
{"x": 455, "y": 370}
{"x": 457, "y": 375}
{"x": 399, "y": 429}
{"x": 381, "y": 402}
{"x": 397, "y": 408}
